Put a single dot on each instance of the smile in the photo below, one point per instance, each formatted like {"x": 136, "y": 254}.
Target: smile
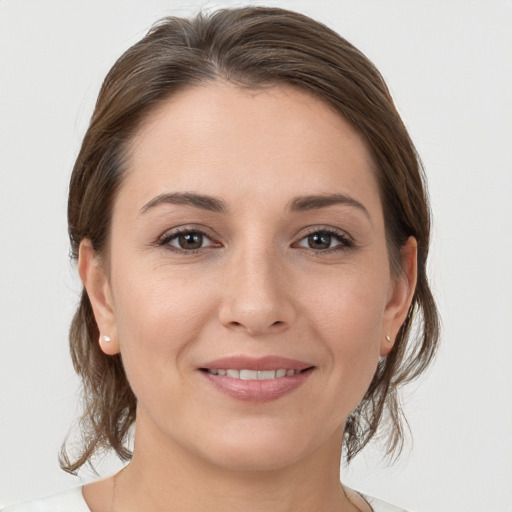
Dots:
{"x": 254, "y": 374}
{"x": 260, "y": 379}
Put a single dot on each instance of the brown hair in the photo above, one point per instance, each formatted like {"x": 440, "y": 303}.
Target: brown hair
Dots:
{"x": 251, "y": 47}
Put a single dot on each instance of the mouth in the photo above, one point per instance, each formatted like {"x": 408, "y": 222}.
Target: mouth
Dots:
{"x": 256, "y": 379}
{"x": 245, "y": 374}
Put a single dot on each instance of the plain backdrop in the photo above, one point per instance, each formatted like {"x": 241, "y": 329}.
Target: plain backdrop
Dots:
{"x": 448, "y": 64}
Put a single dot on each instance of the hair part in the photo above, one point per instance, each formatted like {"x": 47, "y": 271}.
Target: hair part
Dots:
{"x": 251, "y": 47}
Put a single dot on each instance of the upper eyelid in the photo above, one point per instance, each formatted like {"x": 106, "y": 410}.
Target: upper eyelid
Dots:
{"x": 186, "y": 228}
{"x": 176, "y": 234}
{"x": 324, "y": 229}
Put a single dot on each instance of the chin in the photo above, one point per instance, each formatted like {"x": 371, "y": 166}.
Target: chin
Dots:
{"x": 258, "y": 457}
{"x": 262, "y": 449}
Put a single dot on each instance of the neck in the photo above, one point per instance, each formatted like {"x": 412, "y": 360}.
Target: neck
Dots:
{"x": 166, "y": 477}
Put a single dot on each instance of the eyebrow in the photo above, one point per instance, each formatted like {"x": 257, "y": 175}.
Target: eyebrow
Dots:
{"x": 201, "y": 201}
{"x": 215, "y": 204}
{"x": 315, "y": 202}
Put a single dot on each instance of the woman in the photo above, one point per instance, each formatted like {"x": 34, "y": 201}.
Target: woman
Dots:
{"x": 251, "y": 229}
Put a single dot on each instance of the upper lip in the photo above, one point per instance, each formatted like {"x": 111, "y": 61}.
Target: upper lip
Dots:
{"x": 256, "y": 363}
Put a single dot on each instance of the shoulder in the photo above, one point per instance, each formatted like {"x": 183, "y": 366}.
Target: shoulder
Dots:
{"x": 381, "y": 506}
{"x": 70, "y": 500}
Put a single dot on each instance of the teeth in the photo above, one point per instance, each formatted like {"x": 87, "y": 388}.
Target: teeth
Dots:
{"x": 254, "y": 374}
{"x": 248, "y": 375}
{"x": 268, "y": 374}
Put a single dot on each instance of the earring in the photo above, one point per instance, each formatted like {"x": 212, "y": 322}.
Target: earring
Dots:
{"x": 388, "y": 338}
{"x": 106, "y": 339}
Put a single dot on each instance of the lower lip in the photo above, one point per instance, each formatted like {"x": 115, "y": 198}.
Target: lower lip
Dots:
{"x": 257, "y": 390}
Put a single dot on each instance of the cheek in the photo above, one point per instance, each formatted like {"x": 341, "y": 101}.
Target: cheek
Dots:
{"x": 347, "y": 314}
{"x": 154, "y": 299}
{"x": 348, "y": 305}
{"x": 159, "y": 317}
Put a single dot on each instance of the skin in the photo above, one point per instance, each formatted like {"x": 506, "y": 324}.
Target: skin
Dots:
{"x": 255, "y": 287}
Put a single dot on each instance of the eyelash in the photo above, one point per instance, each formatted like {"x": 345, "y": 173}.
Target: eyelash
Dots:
{"x": 165, "y": 240}
{"x": 345, "y": 242}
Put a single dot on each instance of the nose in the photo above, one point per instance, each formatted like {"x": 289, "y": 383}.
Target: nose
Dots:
{"x": 257, "y": 299}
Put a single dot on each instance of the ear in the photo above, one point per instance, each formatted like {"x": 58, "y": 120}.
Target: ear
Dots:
{"x": 96, "y": 283}
{"x": 400, "y": 295}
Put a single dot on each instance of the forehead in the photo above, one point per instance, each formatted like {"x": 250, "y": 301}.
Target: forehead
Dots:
{"x": 222, "y": 140}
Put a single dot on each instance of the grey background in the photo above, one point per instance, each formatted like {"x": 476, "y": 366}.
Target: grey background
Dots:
{"x": 449, "y": 66}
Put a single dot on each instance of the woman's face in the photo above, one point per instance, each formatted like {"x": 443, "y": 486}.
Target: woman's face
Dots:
{"x": 248, "y": 239}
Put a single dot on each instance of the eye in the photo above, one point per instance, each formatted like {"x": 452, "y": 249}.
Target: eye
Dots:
{"x": 323, "y": 240}
{"x": 188, "y": 240}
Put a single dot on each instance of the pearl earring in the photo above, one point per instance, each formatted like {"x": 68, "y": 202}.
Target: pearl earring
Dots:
{"x": 106, "y": 339}
{"x": 388, "y": 338}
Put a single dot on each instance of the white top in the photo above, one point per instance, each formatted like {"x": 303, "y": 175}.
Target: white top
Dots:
{"x": 72, "y": 500}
